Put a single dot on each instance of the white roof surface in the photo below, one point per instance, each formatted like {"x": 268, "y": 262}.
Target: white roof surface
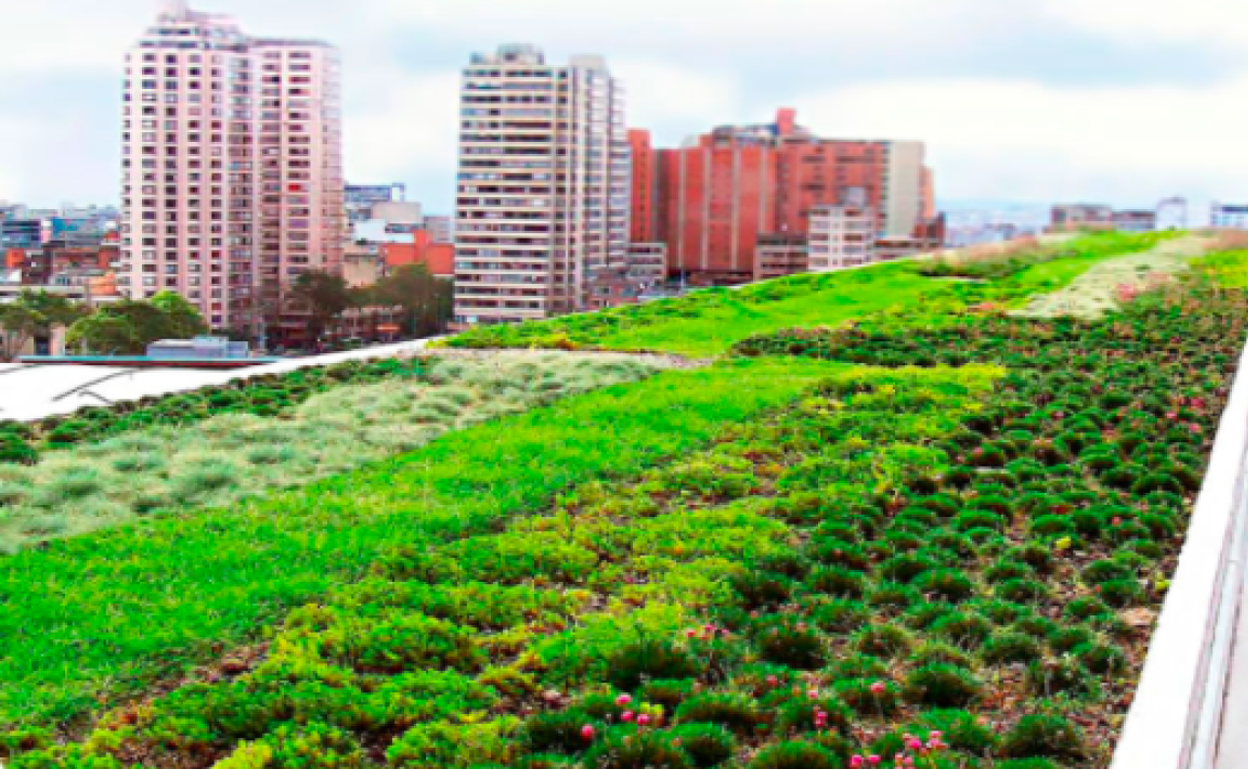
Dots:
{"x": 34, "y": 391}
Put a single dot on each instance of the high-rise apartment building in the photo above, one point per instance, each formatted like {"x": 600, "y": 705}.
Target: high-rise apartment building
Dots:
{"x": 232, "y": 165}
{"x": 542, "y": 210}
{"x": 716, "y": 199}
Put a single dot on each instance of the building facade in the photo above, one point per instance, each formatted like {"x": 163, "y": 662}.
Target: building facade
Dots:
{"x": 841, "y": 237}
{"x": 1135, "y": 220}
{"x": 647, "y": 264}
{"x": 360, "y": 198}
{"x": 643, "y": 211}
{"x": 441, "y": 228}
{"x": 715, "y": 198}
{"x": 543, "y": 193}
{"x": 781, "y": 254}
{"x": 1068, "y": 216}
{"x": 232, "y": 166}
{"x": 1232, "y": 215}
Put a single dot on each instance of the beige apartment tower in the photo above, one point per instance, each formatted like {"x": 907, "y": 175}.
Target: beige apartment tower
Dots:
{"x": 232, "y": 166}
{"x": 544, "y": 180}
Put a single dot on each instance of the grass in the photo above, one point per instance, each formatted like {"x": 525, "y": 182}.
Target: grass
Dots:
{"x": 832, "y": 300}
{"x": 226, "y": 459}
{"x": 1109, "y": 279}
{"x": 708, "y": 323}
{"x": 1228, "y": 268}
{"x": 98, "y": 617}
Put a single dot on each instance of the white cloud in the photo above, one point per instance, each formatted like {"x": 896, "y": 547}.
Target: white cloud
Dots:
{"x": 661, "y": 94}
{"x": 699, "y": 25}
{"x": 687, "y": 65}
{"x": 1029, "y": 140}
{"x": 1221, "y": 23}
{"x": 409, "y": 127}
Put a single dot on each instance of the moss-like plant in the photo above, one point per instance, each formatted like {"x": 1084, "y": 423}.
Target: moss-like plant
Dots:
{"x": 886, "y": 641}
{"x": 707, "y": 745}
{"x": 1044, "y": 735}
{"x": 942, "y": 685}
{"x": 791, "y": 754}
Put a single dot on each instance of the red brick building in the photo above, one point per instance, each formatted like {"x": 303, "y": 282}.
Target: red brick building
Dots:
{"x": 642, "y": 225}
{"x": 712, "y": 201}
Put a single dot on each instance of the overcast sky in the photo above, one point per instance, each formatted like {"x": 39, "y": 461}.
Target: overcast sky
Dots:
{"x": 1122, "y": 100}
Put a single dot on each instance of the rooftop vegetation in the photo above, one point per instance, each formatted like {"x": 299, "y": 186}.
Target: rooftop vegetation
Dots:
{"x": 925, "y": 532}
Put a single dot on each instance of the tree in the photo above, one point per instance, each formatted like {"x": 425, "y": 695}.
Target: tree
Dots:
{"x": 105, "y": 334}
{"x": 127, "y": 327}
{"x": 33, "y": 314}
{"x": 426, "y": 300}
{"x": 324, "y": 295}
{"x": 182, "y": 319}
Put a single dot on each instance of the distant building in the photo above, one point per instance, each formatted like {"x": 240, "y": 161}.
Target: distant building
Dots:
{"x": 542, "y": 214}
{"x": 1137, "y": 221}
{"x": 362, "y": 264}
{"x": 1172, "y": 214}
{"x": 359, "y": 199}
{"x": 1231, "y": 215}
{"x": 58, "y": 263}
{"x": 1070, "y": 216}
{"x": 644, "y": 209}
{"x": 780, "y": 254}
{"x": 888, "y": 249}
{"x": 712, "y": 200}
{"x": 441, "y": 228}
{"x": 21, "y": 233}
{"x": 647, "y": 264}
{"x": 841, "y": 237}
{"x": 419, "y": 249}
{"x": 399, "y": 216}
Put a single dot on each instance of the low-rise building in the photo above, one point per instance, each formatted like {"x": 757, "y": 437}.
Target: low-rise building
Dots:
{"x": 1231, "y": 215}
{"x": 1072, "y": 216}
{"x": 647, "y": 264}
{"x": 779, "y": 254}
{"x": 841, "y": 237}
{"x": 1135, "y": 221}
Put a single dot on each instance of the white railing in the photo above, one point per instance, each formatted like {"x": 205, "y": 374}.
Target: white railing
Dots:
{"x": 1176, "y": 719}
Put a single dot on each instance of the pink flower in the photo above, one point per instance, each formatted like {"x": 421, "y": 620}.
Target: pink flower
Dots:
{"x": 623, "y": 700}
{"x": 878, "y": 688}
{"x": 874, "y": 760}
{"x": 587, "y": 732}
{"x": 1196, "y": 428}
{"x": 812, "y": 694}
{"x": 627, "y": 716}
{"x": 643, "y": 719}
{"x": 857, "y": 762}
{"x": 772, "y": 681}
{"x": 1172, "y": 415}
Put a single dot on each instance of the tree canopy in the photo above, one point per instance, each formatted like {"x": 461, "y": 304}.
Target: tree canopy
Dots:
{"x": 127, "y": 327}
{"x": 31, "y": 314}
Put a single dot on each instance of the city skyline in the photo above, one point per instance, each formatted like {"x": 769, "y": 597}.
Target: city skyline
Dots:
{"x": 972, "y": 81}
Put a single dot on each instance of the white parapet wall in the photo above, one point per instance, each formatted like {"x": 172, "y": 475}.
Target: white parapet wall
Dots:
{"x": 1176, "y": 720}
